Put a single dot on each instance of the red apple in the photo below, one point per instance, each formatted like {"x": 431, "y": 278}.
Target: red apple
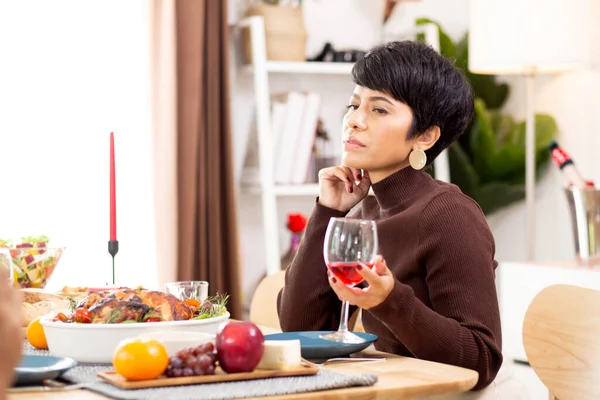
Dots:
{"x": 240, "y": 346}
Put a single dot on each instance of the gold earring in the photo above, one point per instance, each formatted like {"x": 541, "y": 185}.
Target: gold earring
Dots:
{"x": 417, "y": 159}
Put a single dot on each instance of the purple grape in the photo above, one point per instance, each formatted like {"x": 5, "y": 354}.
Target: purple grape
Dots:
{"x": 183, "y": 354}
{"x": 199, "y": 350}
{"x": 188, "y": 372}
{"x": 169, "y": 371}
{"x": 209, "y": 347}
{"x": 177, "y": 372}
{"x": 176, "y": 362}
{"x": 198, "y": 370}
{"x": 210, "y": 370}
{"x": 213, "y": 357}
{"x": 191, "y": 361}
{"x": 205, "y": 361}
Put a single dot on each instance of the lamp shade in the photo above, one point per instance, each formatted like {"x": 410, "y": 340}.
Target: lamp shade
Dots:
{"x": 527, "y": 36}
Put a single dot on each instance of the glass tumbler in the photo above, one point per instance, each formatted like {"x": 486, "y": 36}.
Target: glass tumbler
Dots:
{"x": 184, "y": 290}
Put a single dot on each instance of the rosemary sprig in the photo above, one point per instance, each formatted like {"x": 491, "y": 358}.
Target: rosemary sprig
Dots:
{"x": 212, "y": 307}
{"x": 72, "y": 304}
{"x": 114, "y": 315}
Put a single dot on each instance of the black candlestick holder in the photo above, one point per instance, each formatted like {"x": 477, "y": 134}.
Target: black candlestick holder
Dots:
{"x": 113, "y": 249}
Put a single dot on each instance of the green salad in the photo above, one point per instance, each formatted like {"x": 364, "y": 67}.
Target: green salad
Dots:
{"x": 33, "y": 262}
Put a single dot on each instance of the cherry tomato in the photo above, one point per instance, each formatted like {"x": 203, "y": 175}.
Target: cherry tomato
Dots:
{"x": 154, "y": 319}
{"x": 82, "y": 316}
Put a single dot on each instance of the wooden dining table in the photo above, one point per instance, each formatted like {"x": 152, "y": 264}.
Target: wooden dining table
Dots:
{"x": 399, "y": 378}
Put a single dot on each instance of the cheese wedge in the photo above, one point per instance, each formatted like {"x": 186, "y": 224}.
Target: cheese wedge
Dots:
{"x": 281, "y": 354}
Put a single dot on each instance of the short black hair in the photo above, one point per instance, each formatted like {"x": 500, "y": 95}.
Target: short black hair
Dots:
{"x": 430, "y": 84}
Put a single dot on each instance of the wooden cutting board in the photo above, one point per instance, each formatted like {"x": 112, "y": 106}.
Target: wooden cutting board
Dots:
{"x": 219, "y": 376}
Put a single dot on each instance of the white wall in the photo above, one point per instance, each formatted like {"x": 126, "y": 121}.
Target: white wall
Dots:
{"x": 352, "y": 23}
{"x": 570, "y": 98}
{"x": 71, "y": 73}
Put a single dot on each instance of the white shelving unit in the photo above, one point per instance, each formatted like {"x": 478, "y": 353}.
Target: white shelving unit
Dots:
{"x": 261, "y": 69}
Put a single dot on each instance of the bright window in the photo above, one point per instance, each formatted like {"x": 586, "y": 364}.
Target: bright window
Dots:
{"x": 72, "y": 72}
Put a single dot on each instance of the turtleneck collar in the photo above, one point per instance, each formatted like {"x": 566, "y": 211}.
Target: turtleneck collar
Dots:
{"x": 398, "y": 189}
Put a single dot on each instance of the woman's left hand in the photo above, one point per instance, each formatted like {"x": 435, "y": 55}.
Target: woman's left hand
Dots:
{"x": 381, "y": 282}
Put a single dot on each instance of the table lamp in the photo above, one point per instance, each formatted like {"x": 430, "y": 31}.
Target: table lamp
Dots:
{"x": 529, "y": 37}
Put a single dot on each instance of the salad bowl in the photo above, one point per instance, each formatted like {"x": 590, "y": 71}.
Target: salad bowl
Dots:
{"x": 33, "y": 267}
{"x": 95, "y": 343}
{"x": 33, "y": 261}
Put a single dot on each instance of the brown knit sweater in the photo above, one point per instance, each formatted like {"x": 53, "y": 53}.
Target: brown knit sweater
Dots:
{"x": 437, "y": 243}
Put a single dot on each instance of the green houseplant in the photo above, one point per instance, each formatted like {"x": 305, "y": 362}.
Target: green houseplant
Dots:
{"x": 488, "y": 161}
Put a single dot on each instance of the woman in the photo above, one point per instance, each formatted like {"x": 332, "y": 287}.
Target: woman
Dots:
{"x": 431, "y": 294}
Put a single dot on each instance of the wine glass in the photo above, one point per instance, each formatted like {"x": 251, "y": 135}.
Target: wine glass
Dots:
{"x": 348, "y": 244}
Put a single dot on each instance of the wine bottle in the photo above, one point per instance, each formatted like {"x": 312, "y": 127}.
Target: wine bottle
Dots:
{"x": 288, "y": 257}
{"x": 565, "y": 163}
{"x": 296, "y": 225}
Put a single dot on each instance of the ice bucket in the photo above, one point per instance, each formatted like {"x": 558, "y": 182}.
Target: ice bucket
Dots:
{"x": 584, "y": 209}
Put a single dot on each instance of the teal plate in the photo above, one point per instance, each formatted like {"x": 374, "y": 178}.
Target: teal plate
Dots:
{"x": 316, "y": 349}
{"x": 34, "y": 369}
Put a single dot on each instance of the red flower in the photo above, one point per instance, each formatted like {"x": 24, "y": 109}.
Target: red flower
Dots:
{"x": 296, "y": 222}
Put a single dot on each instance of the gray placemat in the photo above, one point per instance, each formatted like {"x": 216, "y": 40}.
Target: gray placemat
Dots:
{"x": 324, "y": 380}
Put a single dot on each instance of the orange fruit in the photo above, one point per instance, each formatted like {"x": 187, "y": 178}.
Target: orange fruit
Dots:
{"x": 140, "y": 359}
{"x": 35, "y": 334}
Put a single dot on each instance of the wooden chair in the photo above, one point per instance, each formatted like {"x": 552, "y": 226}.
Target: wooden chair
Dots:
{"x": 263, "y": 307}
{"x": 561, "y": 336}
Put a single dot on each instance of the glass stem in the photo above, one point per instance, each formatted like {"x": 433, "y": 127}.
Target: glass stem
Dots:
{"x": 344, "y": 317}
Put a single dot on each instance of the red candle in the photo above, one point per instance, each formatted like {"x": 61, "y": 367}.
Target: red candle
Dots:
{"x": 113, "y": 198}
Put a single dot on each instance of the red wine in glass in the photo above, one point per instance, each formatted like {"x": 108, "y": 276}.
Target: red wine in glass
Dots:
{"x": 348, "y": 244}
{"x": 347, "y": 272}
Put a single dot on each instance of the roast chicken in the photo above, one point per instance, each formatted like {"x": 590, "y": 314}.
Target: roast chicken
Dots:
{"x": 134, "y": 305}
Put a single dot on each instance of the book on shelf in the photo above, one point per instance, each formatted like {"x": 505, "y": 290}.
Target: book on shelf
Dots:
{"x": 294, "y": 122}
{"x": 294, "y": 119}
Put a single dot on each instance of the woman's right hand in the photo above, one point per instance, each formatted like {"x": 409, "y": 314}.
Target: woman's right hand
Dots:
{"x": 342, "y": 187}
